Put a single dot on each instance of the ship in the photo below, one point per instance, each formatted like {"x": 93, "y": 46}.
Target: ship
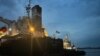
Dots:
{"x": 27, "y": 37}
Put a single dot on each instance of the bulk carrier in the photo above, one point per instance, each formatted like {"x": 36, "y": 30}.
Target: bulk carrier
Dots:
{"x": 27, "y": 37}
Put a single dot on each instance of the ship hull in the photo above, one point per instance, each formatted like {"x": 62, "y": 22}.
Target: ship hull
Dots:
{"x": 28, "y": 46}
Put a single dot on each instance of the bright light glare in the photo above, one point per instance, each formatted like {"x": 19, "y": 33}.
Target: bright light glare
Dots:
{"x": 10, "y": 29}
{"x": 32, "y": 29}
{"x": 46, "y": 33}
{"x": 1, "y": 34}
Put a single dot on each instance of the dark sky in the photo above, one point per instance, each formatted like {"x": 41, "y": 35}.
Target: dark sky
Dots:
{"x": 79, "y": 18}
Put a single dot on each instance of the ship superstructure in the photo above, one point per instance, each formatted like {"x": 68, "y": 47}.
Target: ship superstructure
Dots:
{"x": 32, "y": 25}
{"x": 26, "y": 24}
{"x": 67, "y": 44}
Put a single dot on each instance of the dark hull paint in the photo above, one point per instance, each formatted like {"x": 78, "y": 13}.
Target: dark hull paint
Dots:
{"x": 46, "y": 46}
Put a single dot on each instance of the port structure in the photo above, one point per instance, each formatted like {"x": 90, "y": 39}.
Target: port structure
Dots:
{"x": 27, "y": 24}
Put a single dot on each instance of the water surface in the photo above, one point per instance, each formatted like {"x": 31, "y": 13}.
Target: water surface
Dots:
{"x": 92, "y": 52}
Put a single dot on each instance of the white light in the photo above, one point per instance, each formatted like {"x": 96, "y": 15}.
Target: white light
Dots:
{"x": 10, "y": 29}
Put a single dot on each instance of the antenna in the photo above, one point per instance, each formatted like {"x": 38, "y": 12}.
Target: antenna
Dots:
{"x": 28, "y": 8}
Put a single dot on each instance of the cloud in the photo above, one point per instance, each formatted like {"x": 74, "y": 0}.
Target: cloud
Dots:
{"x": 81, "y": 18}
{"x": 11, "y": 9}
{"x": 8, "y": 3}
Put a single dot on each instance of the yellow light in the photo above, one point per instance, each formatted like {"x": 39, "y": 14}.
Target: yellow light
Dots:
{"x": 46, "y": 33}
{"x": 1, "y": 34}
{"x": 32, "y": 29}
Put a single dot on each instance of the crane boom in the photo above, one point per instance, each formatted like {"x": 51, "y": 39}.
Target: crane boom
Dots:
{"x": 8, "y": 22}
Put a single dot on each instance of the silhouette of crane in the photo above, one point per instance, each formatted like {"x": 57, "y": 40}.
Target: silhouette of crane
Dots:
{"x": 28, "y": 8}
{"x": 6, "y": 21}
{"x": 11, "y": 25}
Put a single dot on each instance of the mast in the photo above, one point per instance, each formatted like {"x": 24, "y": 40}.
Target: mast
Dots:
{"x": 28, "y": 8}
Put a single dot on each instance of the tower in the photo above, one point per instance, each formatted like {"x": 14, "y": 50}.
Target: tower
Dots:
{"x": 37, "y": 17}
{"x": 37, "y": 20}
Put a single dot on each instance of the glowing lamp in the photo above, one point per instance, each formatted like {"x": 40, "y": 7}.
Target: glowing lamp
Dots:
{"x": 46, "y": 33}
{"x": 32, "y": 29}
{"x": 10, "y": 29}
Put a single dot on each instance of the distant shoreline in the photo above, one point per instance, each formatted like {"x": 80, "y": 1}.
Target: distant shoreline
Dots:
{"x": 89, "y": 48}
